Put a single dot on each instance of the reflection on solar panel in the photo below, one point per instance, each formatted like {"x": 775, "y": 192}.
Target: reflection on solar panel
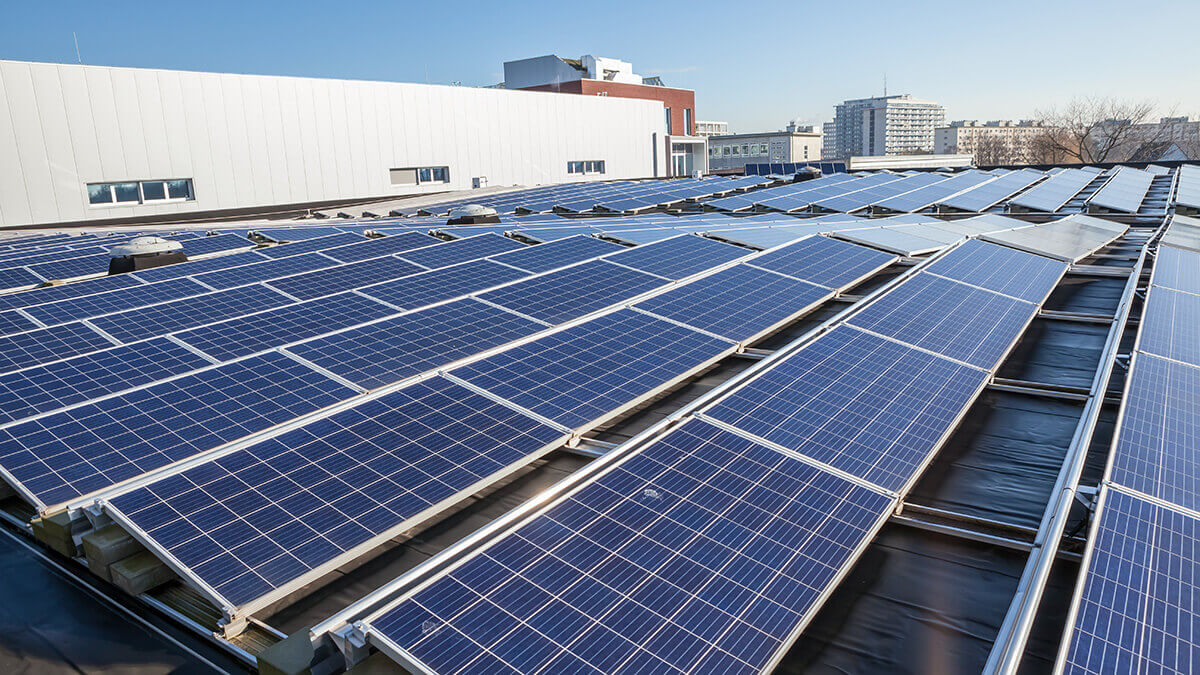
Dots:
{"x": 48, "y": 344}
{"x": 289, "y": 323}
{"x": 573, "y": 292}
{"x": 426, "y": 288}
{"x": 679, "y": 257}
{"x": 265, "y": 270}
{"x": 986, "y": 196}
{"x": 396, "y": 348}
{"x": 80, "y": 450}
{"x": 948, "y": 318}
{"x": 344, "y": 277}
{"x": 739, "y": 303}
{"x": 260, "y": 517}
{"x": 1051, "y": 195}
{"x": 924, "y": 197}
{"x": 578, "y": 375}
{"x": 998, "y": 268}
{"x": 1187, "y": 191}
{"x": 1177, "y": 269}
{"x": 462, "y": 250}
{"x": 1137, "y": 612}
{"x": 824, "y": 261}
{"x": 138, "y": 324}
{"x": 1124, "y": 191}
{"x": 375, "y": 248}
{"x": 309, "y": 245}
{"x": 902, "y": 242}
{"x": 75, "y": 309}
{"x": 53, "y": 293}
{"x": 62, "y": 383}
{"x": 703, "y": 552}
{"x": 1169, "y": 326}
{"x": 868, "y": 406}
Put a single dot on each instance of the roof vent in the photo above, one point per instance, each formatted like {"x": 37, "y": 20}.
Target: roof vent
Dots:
{"x": 472, "y": 214}
{"x": 142, "y": 253}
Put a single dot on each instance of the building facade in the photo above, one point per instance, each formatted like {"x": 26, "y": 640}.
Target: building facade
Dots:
{"x": 1170, "y": 138}
{"x": 734, "y": 151}
{"x": 829, "y": 141}
{"x": 994, "y": 142}
{"x": 605, "y": 77}
{"x": 707, "y": 129}
{"x": 886, "y": 125}
{"x": 86, "y": 143}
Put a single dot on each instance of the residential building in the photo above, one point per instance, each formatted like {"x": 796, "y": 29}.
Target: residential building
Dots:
{"x": 994, "y": 142}
{"x": 829, "y": 142}
{"x": 1170, "y": 138}
{"x": 707, "y": 129}
{"x": 601, "y": 76}
{"x": 886, "y": 125}
{"x": 86, "y": 143}
{"x": 797, "y": 143}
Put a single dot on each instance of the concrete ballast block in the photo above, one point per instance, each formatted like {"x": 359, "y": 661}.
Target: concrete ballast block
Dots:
{"x": 107, "y": 545}
{"x": 139, "y": 573}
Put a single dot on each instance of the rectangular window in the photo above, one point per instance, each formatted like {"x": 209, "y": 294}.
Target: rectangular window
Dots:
{"x": 154, "y": 191}
{"x": 668, "y": 111}
{"x": 419, "y": 175}
{"x": 586, "y": 167}
{"x": 139, "y": 192}
{"x": 687, "y": 121}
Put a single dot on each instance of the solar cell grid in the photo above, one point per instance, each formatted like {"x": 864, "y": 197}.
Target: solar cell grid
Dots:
{"x": 374, "y": 248}
{"x": 1055, "y": 191}
{"x": 13, "y": 322}
{"x": 73, "y": 267}
{"x": 462, "y": 250}
{"x": 393, "y": 349}
{"x": 75, "y": 380}
{"x": 138, "y": 324}
{"x": 48, "y": 344}
{"x": 18, "y": 278}
{"x": 344, "y": 277}
{"x": 988, "y": 195}
{"x": 1169, "y": 325}
{"x": 824, "y": 261}
{"x": 1177, "y": 269}
{"x": 701, "y": 553}
{"x": 208, "y": 245}
{"x": 426, "y": 288}
{"x": 679, "y": 257}
{"x": 578, "y": 375}
{"x": 53, "y": 293}
{"x": 71, "y": 453}
{"x": 572, "y": 292}
{"x": 191, "y": 267}
{"x": 265, "y": 270}
{"x": 999, "y": 268}
{"x": 74, "y": 309}
{"x": 310, "y": 245}
{"x": 868, "y": 406}
{"x": 254, "y": 519}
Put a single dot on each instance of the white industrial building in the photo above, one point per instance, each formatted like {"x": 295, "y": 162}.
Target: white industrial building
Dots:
{"x": 88, "y": 143}
{"x": 796, "y": 143}
{"x": 886, "y": 125}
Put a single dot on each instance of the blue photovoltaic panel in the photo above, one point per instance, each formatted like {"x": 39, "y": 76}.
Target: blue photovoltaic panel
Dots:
{"x": 344, "y": 277}
{"x": 738, "y": 303}
{"x": 949, "y": 318}
{"x": 1051, "y": 194}
{"x": 1158, "y": 445}
{"x": 549, "y": 234}
{"x": 80, "y": 450}
{"x": 12, "y": 322}
{"x": 265, "y": 270}
{"x": 393, "y": 349}
{"x": 1124, "y": 191}
{"x": 375, "y": 248}
{"x": 1002, "y": 269}
{"x": 18, "y": 278}
{"x": 252, "y": 520}
{"x": 53, "y": 293}
{"x": 462, "y": 250}
{"x": 73, "y": 267}
{"x": 23, "y": 258}
{"x": 679, "y": 257}
{"x": 702, "y": 552}
{"x": 75, "y": 380}
{"x": 138, "y": 324}
{"x": 426, "y": 288}
{"x": 573, "y": 292}
{"x": 283, "y": 325}
{"x": 868, "y": 406}
{"x": 1139, "y": 611}
{"x": 1170, "y": 325}
{"x": 289, "y": 234}
{"x": 87, "y": 306}
{"x": 48, "y": 344}
{"x": 192, "y": 267}
{"x": 824, "y": 261}
{"x": 580, "y": 374}
{"x": 221, "y": 242}
{"x": 551, "y": 255}
{"x": 310, "y": 245}
{"x": 1177, "y": 269}
{"x": 989, "y": 194}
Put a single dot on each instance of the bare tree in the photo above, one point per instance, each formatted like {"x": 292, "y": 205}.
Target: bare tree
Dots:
{"x": 991, "y": 150}
{"x": 1096, "y": 130}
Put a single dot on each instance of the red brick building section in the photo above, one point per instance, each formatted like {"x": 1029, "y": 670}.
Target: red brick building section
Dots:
{"x": 678, "y": 100}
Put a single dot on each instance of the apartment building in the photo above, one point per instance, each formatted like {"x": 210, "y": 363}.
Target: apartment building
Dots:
{"x": 886, "y": 125}
{"x": 993, "y": 142}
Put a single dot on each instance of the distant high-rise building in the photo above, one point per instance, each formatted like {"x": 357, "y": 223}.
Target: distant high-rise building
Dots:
{"x": 886, "y": 125}
{"x": 829, "y": 140}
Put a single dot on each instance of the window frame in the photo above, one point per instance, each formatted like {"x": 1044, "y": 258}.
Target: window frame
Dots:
{"x": 110, "y": 188}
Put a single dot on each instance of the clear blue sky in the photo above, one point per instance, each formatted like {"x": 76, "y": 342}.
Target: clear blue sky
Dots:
{"x": 753, "y": 64}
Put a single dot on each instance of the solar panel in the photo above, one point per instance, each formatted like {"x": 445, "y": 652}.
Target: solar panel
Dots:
{"x": 739, "y": 303}
{"x": 426, "y": 288}
{"x": 924, "y": 197}
{"x": 579, "y": 375}
{"x": 191, "y": 267}
{"x": 374, "y": 248}
{"x": 703, "y": 552}
{"x": 1124, "y": 191}
{"x": 265, "y": 270}
{"x": 290, "y": 323}
{"x": 74, "y": 309}
{"x": 209, "y": 245}
{"x": 80, "y": 450}
{"x": 948, "y": 318}
{"x": 462, "y": 250}
{"x": 893, "y": 240}
{"x": 868, "y": 406}
{"x": 138, "y": 324}
{"x": 1169, "y": 325}
{"x": 824, "y": 261}
{"x": 679, "y": 257}
{"x": 1157, "y": 451}
{"x": 1177, "y": 269}
{"x": 1138, "y": 612}
{"x": 1054, "y": 192}
{"x": 393, "y": 349}
{"x": 310, "y": 245}
{"x": 986, "y": 196}
{"x": 82, "y": 378}
{"x": 252, "y": 520}
{"x": 73, "y": 267}
{"x": 13, "y": 322}
{"x": 1001, "y": 269}
{"x": 344, "y": 277}
{"x": 18, "y": 278}
{"x": 573, "y": 292}
{"x": 53, "y": 293}
{"x": 288, "y": 234}
{"x": 1187, "y": 190}
{"x": 549, "y": 234}
{"x": 48, "y": 344}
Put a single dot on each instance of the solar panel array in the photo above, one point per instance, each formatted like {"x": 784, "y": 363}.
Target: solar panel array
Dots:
{"x": 1123, "y": 192}
{"x": 1050, "y": 195}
